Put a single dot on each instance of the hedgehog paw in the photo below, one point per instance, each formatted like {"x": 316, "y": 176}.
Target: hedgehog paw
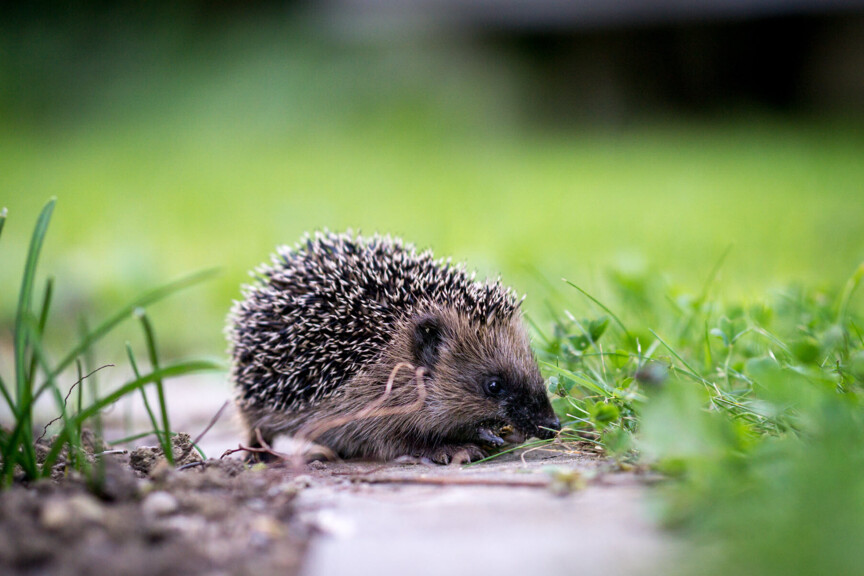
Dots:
{"x": 410, "y": 460}
{"x": 456, "y": 454}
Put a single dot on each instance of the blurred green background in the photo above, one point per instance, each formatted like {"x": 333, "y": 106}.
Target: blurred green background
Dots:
{"x": 184, "y": 138}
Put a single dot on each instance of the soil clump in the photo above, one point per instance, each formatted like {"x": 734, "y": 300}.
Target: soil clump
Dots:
{"x": 135, "y": 515}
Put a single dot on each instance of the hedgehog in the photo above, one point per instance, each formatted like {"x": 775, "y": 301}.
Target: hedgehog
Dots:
{"x": 385, "y": 351}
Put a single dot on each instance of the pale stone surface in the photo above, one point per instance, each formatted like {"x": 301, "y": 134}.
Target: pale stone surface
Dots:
{"x": 397, "y": 529}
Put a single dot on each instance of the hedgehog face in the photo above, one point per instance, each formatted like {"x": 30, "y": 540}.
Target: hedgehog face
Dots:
{"x": 484, "y": 377}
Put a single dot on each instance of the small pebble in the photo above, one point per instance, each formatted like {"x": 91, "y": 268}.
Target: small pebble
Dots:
{"x": 55, "y": 515}
{"x": 159, "y": 503}
{"x": 264, "y": 530}
{"x": 285, "y": 488}
{"x": 189, "y": 525}
{"x": 60, "y": 513}
{"x": 303, "y": 481}
{"x": 87, "y": 508}
{"x": 267, "y": 526}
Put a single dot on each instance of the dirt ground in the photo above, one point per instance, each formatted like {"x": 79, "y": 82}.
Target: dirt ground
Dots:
{"x": 145, "y": 518}
{"x": 531, "y": 512}
{"x": 535, "y": 512}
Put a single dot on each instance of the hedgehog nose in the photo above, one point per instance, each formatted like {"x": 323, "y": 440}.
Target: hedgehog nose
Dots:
{"x": 547, "y": 427}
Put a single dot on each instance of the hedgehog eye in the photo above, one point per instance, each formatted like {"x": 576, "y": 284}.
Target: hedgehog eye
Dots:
{"x": 493, "y": 386}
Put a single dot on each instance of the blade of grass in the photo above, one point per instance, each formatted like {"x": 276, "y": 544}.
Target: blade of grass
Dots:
{"x": 848, "y": 289}
{"x": 15, "y": 452}
{"x": 501, "y": 453}
{"x": 579, "y": 380}
{"x": 769, "y": 336}
{"x": 147, "y": 407}
{"x": 132, "y": 437}
{"x": 142, "y": 301}
{"x": 537, "y": 329}
{"x": 8, "y": 398}
{"x": 91, "y": 337}
{"x": 601, "y": 305}
{"x": 706, "y": 289}
{"x": 20, "y": 442}
{"x": 150, "y": 338}
{"x": 707, "y": 345}
{"x": 712, "y": 276}
{"x": 68, "y": 424}
{"x": 80, "y": 392}
{"x": 46, "y": 305}
{"x": 43, "y": 318}
{"x": 40, "y": 329}
{"x": 169, "y": 371}
{"x": 858, "y": 332}
{"x": 25, "y": 296}
{"x": 690, "y": 371}
{"x": 3, "y": 213}
{"x": 97, "y": 476}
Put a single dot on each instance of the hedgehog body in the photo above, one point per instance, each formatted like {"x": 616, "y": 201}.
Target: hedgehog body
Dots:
{"x": 330, "y": 322}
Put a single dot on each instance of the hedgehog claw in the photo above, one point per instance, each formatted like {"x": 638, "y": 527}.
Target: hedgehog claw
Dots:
{"x": 410, "y": 460}
{"x": 457, "y": 454}
{"x": 489, "y": 437}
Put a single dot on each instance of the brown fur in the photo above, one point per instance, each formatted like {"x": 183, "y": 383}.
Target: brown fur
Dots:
{"x": 438, "y": 418}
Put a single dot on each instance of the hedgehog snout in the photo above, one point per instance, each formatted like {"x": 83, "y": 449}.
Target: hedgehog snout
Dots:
{"x": 546, "y": 428}
{"x": 531, "y": 415}
{"x": 545, "y": 420}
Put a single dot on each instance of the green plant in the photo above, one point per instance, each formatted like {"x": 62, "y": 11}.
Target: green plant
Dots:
{"x": 35, "y": 373}
{"x": 595, "y": 387}
{"x": 752, "y": 411}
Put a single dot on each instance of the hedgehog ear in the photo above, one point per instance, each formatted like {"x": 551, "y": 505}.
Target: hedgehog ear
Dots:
{"x": 427, "y": 340}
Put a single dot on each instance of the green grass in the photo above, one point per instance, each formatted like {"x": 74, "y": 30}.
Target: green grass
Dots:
{"x": 214, "y": 161}
{"x": 753, "y": 412}
{"x": 35, "y": 373}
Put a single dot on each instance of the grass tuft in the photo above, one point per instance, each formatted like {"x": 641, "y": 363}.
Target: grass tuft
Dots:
{"x": 756, "y": 421}
{"x": 18, "y": 456}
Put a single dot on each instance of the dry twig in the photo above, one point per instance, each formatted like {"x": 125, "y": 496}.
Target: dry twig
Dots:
{"x": 66, "y": 399}
{"x": 451, "y": 481}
